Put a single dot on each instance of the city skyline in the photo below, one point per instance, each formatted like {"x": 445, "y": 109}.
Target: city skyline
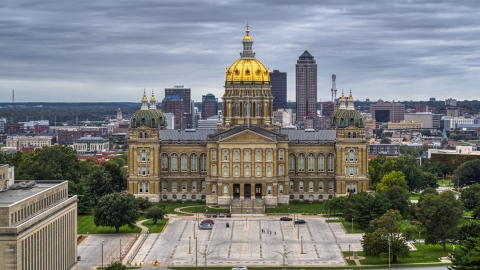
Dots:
{"x": 99, "y": 52}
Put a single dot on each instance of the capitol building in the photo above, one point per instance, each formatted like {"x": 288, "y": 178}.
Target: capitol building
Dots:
{"x": 247, "y": 159}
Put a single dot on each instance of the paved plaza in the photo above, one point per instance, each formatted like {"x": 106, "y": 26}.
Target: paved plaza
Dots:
{"x": 316, "y": 243}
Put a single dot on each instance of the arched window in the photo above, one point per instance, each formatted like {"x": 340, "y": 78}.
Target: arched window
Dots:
{"x": 310, "y": 185}
{"x": 300, "y": 185}
{"x": 164, "y": 163}
{"x": 146, "y": 135}
{"x": 164, "y": 185}
{"x": 174, "y": 185}
{"x": 280, "y": 189}
{"x": 269, "y": 190}
{"x": 203, "y": 197}
{"x": 320, "y": 185}
{"x": 281, "y": 170}
{"x": 184, "y": 162}
{"x": 140, "y": 135}
{"x": 351, "y": 154}
{"x": 281, "y": 154}
{"x": 144, "y": 155}
{"x": 354, "y": 187}
{"x": 236, "y": 155}
{"x": 214, "y": 170}
{"x": 194, "y": 197}
{"x": 258, "y": 108}
{"x": 236, "y": 171}
{"x": 311, "y": 163}
{"x": 214, "y": 189}
{"x": 258, "y": 171}
{"x": 247, "y": 170}
{"x": 269, "y": 171}
{"x": 214, "y": 154}
{"x": 291, "y": 162}
{"x": 291, "y": 185}
{"x": 225, "y": 155}
{"x": 301, "y": 197}
{"x": 225, "y": 170}
{"x": 247, "y": 109}
{"x": 301, "y": 163}
{"x": 165, "y": 196}
{"x": 174, "y": 163}
{"x": 174, "y": 197}
{"x": 225, "y": 190}
{"x": 237, "y": 109}
{"x": 330, "y": 184}
{"x": 258, "y": 155}
{"x": 203, "y": 162}
{"x": 193, "y": 162}
{"x": 204, "y": 185}
{"x": 194, "y": 185}
{"x": 184, "y": 184}
{"x": 354, "y": 135}
{"x": 269, "y": 155}
{"x": 248, "y": 155}
{"x": 140, "y": 187}
{"x": 292, "y": 197}
{"x": 330, "y": 162}
{"x": 320, "y": 197}
{"x": 321, "y": 163}
{"x": 348, "y": 135}
{"x": 330, "y": 196}
{"x": 184, "y": 197}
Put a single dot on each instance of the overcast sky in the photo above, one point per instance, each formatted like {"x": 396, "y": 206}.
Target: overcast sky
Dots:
{"x": 102, "y": 51}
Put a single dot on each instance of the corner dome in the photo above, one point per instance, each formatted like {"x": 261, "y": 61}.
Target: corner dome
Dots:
{"x": 149, "y": 118}
{"x": 343, "y": 118}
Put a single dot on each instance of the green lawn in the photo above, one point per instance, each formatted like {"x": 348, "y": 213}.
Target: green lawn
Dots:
{"x": 444, "y": 183}
{"x": 85, "y": 225}
{"x": 348, "y": 225}
{"x": 414, "y": 196}
{"x": 424, "y": 254}
{"x": 203, "y": 208}
{"x": 152, "y": 228}
{"x": 313, "y": 208}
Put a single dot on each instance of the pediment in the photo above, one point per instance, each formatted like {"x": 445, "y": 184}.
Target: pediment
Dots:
{"x": 247, "y": 136}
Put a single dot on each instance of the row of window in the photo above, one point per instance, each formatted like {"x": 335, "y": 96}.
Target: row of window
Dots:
{"x": 311, "y": 162}
{"x": 184, "y": 163}
{"x": 247, "y": 170}
{"x": 247, "y": 110}
{"x": 33, "y": 208}
{"x": 292, "y": 197}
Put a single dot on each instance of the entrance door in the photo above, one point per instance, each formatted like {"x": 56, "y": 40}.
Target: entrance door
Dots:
{"x": 236, "y": 191}
{"x": 258, "y": 191}
{"x": 247, "y": 191}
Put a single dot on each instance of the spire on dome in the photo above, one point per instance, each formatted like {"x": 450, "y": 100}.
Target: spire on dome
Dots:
{"x": 247, "y": 44}
{"x": 153, "y": 102}
{"x": 342, "y": 101}
{"x": 350, "y": 101}
{"x": 144, "y": 101}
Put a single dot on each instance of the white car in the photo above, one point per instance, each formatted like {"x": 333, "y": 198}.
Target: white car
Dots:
{"x": 240, "y": 268}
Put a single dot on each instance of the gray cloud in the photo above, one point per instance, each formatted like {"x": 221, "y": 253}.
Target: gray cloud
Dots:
{"x": 110, "y": 50}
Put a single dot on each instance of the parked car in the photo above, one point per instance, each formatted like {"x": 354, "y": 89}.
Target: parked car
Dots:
{"x": 229, "y": 215}
{"x": 241, "y": 268}
{"x": 208, "y": 215}
{"x": 300, "y": 221}
{"x": 205, "y": 226}
{"x": 285, "y": 219}
{"x": 221, "y": 215}
{"x": 214, "y": 215}
{"x": 209, "y": 221}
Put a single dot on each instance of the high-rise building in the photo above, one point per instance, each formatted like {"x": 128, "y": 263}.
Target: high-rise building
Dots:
{"x": 209, "y": 106}
{"x": 184, "y": 94}
{"x": 174, "y": 104}
{"x": 384, "y": 112}
{"x": 306, "y": 86}
{"x": 278, "y": 81}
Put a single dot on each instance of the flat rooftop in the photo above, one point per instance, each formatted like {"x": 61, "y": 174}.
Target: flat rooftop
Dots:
{"x": 13, "y": 196}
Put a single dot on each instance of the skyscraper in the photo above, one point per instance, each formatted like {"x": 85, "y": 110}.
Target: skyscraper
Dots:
{"x": 184, "y": 94}
{"x": 306, "y": 86}
{"x": 174, "y": 104}
{"x": 278, "y": 81}
{"x": 209, "y": 106}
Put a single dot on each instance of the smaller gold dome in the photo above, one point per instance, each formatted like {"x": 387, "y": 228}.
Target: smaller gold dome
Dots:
{"x": 343, "y": 96}
{"x": 144, "y": 98}
{"x": 350, "y": 97}
{"x": 153, "y": 97}
{"x": 247, "y": 36}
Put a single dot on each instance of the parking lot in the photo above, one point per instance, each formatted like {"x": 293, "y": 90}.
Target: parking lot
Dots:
{"x": 249, "y": 241}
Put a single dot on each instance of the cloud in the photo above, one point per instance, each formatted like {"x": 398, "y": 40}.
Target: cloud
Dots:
{"x": 111, "y": 50}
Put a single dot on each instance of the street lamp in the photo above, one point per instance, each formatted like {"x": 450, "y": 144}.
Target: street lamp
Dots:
{"x": 102, "y": 253}
{"x": 388, "y": 252}
{"x": 284, "y": 255}
{"x": 352, "y": 224}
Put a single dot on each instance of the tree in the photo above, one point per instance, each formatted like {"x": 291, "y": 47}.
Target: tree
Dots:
{"x": 426, "y": 132}
{"x": 430, "y": 179}
{"x": 335, "y": 204}
{"x": 386, "y": 229}
{"x": 58, "y": 162}
{"x": 468, "y": 173}
{"x": 84, "y": 203}
{"x": 399, "y": 199}
{"x": 434, "y": 167}
{"x": 411, "y": 169}
{"x": 366, "y": 208}
{"x": 143, "y": 203}
{"x": 98, "y": 183}
{"x": 385, "y": 140}
{"x": 467, "y": 230}
{"x": 155, "y": 214}
{"x": 467, "y": 256}
{"x": 440, "y": 215}
{"x": 116, "y": 210}
{"x": 392, "y": 179}
{"x": 453, "y": 136}
{"x": 119, "y": 181}
{"x": 116, "y": 266}
{"x": 471, "y": 199}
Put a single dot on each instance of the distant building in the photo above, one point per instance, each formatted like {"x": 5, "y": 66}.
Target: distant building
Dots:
{"x": 209, "y": 106}
{"x": 90, "y": 145}
{"x": 424, "y": 118}
{"x": 452, "y": 111}
{"x": 20, "y": 142}
{"x": 283, "y": 117}
{"x": 432, "y": 99}
{"x": 170, "y": 118}
{"x": 388, "y": 150}
{"x": 453, "y": 158}
{"x": 38, "y": 224}
{"x": 451, "y": 102}
{"x": 384, "y": 112}
{"x": 306, "y": 85}
{"x": 405, "y": 124}
{"x": 3, "y": 121}
{"x": 467, "y": 135}
{"x": 13, "y": 128}
{"x": 210, "y": 123}
{"x": 328, "y": 108}
{"x": 420, "y": 108}
{"x": 174, "y": 104}
{"x": 451, "y": 123}
{"x": 278, "y": 81}
{"x": 184, "y": 94}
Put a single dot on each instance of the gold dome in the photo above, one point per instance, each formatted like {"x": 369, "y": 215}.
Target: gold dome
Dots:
{"x": 144, "y": 98}
{"x": 247, "y": 36}
{"x": 153, "y": 97}
{"x": 247, "y": 71}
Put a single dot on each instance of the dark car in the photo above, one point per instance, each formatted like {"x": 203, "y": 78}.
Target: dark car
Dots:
{"x": 205, "y": 226}
{"x": 209, "y": 221}
{"x": 214, "y": 215}
{"x": 229, "y": 215}
{"x": 300, "y": 221}
{"x": 285, "y": 219}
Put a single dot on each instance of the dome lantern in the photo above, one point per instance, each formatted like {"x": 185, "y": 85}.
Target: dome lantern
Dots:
{"x": 148, "y": 118}
{"x": 153, "y": 102}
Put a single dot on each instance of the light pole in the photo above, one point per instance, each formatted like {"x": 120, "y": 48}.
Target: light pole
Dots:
{"x": 352, "y": 224}
{"x": 120, "y": 250}
{"x": 388, "y": 252}
{"x": 102, "y": 253}
{"x": 284, "y": 255}
{"x": 349, "y": 258}
{"x": 328, "y": 214}
{"x": 205, "y": 254}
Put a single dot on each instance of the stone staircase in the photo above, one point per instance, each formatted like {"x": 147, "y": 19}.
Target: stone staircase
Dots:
{"x": 248, "y": 207}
